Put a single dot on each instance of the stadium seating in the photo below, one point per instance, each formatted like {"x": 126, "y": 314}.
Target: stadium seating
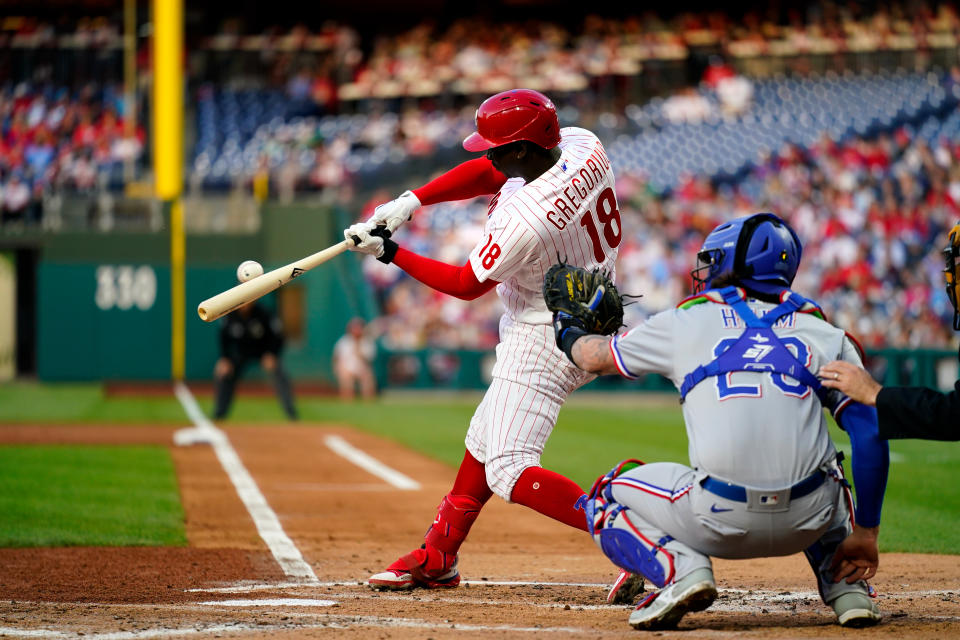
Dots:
{"x": 786, "y": 110}
{"x": 236, "y": 128}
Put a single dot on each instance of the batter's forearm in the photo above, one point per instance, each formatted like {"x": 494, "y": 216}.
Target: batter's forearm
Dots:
{"x": 459, "y": 282}
{"x": 592, "y": 353}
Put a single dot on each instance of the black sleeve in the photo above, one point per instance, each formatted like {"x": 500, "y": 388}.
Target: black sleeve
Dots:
{"x": 918, "y": 412}
{"x": 272, "y": 340}
{"x": 224, "y": 337}
{"x": 275, "y": 332}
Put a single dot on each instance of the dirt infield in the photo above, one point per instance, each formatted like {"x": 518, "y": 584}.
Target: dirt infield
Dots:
{"x": 348, "y": 523}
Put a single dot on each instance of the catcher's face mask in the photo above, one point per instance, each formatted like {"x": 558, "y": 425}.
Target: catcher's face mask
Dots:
{"x": 708, "y": 265}
{"x": 951, "y": 273}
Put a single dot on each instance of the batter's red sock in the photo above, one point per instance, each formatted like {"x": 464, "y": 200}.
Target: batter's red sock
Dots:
{"x": 552, "y": 495}
{"x": 471, "y": 479}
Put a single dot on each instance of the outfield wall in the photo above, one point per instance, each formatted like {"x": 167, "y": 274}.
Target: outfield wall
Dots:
{"x": 103, "y": 300}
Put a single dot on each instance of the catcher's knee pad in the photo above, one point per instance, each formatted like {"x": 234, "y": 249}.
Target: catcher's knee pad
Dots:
{"x": 622, "y": 541}
{"x": 599, "y": 494}
{"x": 619, "y": 538}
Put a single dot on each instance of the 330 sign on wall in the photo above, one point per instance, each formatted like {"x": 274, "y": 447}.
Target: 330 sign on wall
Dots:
{"x": 125, "y": 287}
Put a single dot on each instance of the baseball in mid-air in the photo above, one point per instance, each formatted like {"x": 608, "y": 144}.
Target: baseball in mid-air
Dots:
{"x": 249, "y": 269}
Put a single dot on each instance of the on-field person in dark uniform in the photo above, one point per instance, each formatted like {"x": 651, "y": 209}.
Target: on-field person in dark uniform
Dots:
{"x": 908, "y": 412}
{"x": 250, "y": 334}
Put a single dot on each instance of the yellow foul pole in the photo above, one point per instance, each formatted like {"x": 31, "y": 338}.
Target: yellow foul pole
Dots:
{"x": 168, "y": 157}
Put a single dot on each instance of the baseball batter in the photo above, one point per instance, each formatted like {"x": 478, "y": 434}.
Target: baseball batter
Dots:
{"x": 764, "y": 478}
{"x": 554, "y": 197}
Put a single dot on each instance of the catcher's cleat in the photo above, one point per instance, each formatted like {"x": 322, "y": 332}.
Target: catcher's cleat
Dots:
{"x": 410, "y": 572}
{"x": 626, "y": 588}
{"x": 663, "y": 609}
{"x": 856, "y": 610}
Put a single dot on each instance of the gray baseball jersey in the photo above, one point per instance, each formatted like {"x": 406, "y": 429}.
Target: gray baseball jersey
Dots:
{"x": 764, "y": 479}
{"x": 791, "y": 441}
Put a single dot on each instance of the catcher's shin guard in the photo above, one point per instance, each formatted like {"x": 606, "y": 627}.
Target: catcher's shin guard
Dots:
{"x": 620, "y": 538}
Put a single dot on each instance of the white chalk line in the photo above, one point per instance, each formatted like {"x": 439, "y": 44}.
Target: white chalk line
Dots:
{"x": 270, "y": 602}
{"x": 276, "y": 586}
{"x": 268, "y": 525}
{"x": 324, "y": 621}
{"x": 370, "y": 464}
{"x": 271, "y": 586}
{"x": 334, "y": 487}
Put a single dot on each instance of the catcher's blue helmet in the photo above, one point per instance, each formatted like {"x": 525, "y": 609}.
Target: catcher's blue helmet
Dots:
{"x": 761, "y": 251}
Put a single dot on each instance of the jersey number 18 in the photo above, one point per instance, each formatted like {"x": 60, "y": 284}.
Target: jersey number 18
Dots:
{"x": 608, "y": 215}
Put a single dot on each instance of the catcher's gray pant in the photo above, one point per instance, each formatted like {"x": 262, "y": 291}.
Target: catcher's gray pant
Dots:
{"x": 531, "y": 380}
{"x": 684, "y": 524}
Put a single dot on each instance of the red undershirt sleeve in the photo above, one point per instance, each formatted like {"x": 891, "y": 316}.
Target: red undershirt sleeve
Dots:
{"x": 459, "y": 282}
{"x": 473, "y": 178}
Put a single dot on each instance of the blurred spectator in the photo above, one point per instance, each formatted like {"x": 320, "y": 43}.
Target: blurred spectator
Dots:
{"x": 867, "y": 210}
{"x": 16, "y": 199}
{"x": 687, "y": 106}
{"x": 69, "y": 143}
{"x": 734, "y": 90}
{"x": 353, "y": 356}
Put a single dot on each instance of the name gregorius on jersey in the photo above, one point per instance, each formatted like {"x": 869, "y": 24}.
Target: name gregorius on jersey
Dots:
{"x": 595, "y": 170}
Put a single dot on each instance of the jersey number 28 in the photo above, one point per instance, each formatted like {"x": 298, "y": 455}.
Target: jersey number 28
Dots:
{"x": 788, "y": 386}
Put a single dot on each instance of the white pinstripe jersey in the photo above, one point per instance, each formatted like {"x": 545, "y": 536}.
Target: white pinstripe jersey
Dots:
{"x": 570, "y": 211}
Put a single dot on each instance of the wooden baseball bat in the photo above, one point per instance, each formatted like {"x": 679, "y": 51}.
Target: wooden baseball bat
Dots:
{"x": 223, "y": 303}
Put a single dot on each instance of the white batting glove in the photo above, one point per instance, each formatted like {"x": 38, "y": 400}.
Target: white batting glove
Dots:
{"x": 365, "y": 243}
{"x": 394, "y": 213}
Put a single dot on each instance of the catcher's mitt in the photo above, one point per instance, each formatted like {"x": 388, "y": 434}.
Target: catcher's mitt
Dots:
{"x": 588, "y": 296}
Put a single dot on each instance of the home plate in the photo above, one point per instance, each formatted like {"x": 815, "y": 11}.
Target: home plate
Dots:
{"x": 276, "y": 602}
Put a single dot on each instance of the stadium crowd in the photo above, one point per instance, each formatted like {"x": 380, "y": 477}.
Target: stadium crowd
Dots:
{"x": 52, "y": 139}
{"x": 477, "y": 55}
{"x": 871, "y": 213}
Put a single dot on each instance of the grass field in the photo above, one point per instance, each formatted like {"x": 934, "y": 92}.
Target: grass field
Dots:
{"x": 593, "y": 433}
{"x": 53, "y": 496}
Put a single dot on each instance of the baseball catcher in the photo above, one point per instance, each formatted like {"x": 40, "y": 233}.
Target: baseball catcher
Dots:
{"x": 764, "y": 478}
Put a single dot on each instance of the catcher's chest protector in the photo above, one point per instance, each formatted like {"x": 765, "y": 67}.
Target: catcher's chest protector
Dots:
{"x": 758, "y": 348}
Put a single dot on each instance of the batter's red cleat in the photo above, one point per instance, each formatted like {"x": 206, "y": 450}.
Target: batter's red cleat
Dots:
{"x": 410, "y": 572}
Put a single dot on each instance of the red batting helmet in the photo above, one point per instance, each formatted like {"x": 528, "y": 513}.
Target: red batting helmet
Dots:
{"x": 518, "y": 114}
